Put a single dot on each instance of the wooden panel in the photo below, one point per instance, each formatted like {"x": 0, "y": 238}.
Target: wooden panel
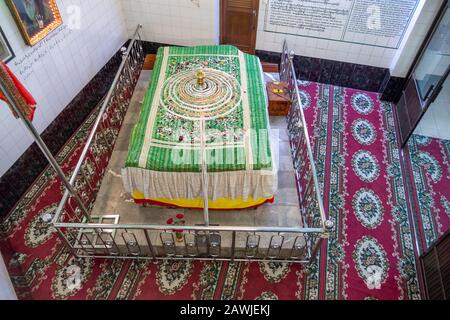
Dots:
{"x": 443, "y": 252}
{"x": 436, "y": 269}
{"x": 413, "y": 103}
{"x": 239, "y": 20}
{"x": 270, "y": 67}
{"x": 403, "y": 118}
{"x": 432, "y": 277}
{"x": 149, "y": 62}
{"x": 244, "y": 4}
{"x": 239, "y": 30}
{"x": 409, "y": 110}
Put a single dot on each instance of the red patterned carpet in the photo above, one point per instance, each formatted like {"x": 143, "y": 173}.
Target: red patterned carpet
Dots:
{"x": 429, "y": 161}
{"x": 370, "y": 254}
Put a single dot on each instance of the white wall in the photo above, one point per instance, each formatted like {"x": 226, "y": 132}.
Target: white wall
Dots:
{"x": 196, "y": 22}
{"x": 321, "y": 48}
{"x": 404, "y": 58}
{"x": 355, "y": 53}
{"x": 177, "y": 22}
{"x": 6, "y": 288}
{"x": 57, "y": 68}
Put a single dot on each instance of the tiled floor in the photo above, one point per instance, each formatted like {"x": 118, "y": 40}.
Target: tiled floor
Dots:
{"x": 112, "y": 199}
{"x": 436, "y": 121}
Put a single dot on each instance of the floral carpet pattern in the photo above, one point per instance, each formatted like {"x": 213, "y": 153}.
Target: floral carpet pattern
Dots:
{"x": 429, "y": 161}
{"x": 370, "y": 254}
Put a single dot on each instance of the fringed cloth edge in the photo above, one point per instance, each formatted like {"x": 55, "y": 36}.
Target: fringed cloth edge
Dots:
{"x": 20, "y": 95}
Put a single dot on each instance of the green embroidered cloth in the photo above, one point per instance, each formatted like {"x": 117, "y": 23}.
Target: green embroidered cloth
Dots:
{"x": 228, "y": 113}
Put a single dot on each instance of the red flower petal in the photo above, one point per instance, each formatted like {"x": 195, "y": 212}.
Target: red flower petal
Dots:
{"x": 170, "y": 221}
{"x": 180, "y": 216}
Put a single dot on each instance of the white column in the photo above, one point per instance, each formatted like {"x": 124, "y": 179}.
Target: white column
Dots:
{"x": 6, "y": 288}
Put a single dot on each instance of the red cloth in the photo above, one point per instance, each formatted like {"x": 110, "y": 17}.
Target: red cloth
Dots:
{"x": 26, "y": 95}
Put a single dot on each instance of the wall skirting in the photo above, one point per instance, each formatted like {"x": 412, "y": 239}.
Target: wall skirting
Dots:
{"x": 393, "y": 89}
{"x": 350, "y": 75}
{"x": 16, "y": 181}
{"x": 338, "y": 73}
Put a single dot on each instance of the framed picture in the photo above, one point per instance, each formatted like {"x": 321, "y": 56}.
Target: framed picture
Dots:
{"x": 6, "y": 53}
{"x": 35, "y": 18}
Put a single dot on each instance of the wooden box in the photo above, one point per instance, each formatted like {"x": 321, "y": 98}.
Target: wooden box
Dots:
{"x": 149, "y": 62}
{"x": 270, "y": 67}
{"x": 279, "y": 99}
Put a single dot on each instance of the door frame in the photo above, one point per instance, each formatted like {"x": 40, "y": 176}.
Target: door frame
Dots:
{"x": 435, "y": 92}
{"x": 427, "y": 103}
{"x": 222, "y": 24}
{"x": 445, "y": 4}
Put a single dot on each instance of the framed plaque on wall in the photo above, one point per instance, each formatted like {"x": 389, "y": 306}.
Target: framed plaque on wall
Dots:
{"x": 6, "y": 52}
{"x": 35, "y": 18}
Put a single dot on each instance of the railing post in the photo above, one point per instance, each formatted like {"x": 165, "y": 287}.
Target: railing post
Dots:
{"x": 329, "y": 226}
{"x": 291, "y": 55}
{"x": 324, "y": 236}
{"x": 233, "y": 245}
{"x": 316, "y": 249}
{"x": 204, "y": 173}
{"x": 61, "y": 235}
{"x": 92, "y": 134}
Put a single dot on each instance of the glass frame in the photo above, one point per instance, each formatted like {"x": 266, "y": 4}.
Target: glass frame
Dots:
{"x": 431, "y": 90}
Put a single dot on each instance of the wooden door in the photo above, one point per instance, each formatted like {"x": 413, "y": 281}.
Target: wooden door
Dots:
{"x": 436, "y": 269}
{"x": 239, "y": 23}
{"x": 410, "y": 110}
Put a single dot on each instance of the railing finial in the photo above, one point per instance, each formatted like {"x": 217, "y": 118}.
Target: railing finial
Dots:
{"x": 47, "y": 218}
{"x": 291, "y": 54}
{"x": 329, "y": 226}
{"x": 123, "y": 51}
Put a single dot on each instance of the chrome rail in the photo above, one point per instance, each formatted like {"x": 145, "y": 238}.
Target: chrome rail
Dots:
{"x": 197, "y": 242}
{"x": 105, "y": 237}
{"x": 301, "y": 147}
{"x": 116, "y": 98}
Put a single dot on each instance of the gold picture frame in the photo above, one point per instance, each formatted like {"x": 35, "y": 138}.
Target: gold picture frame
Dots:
{"x": 35, "y": 18}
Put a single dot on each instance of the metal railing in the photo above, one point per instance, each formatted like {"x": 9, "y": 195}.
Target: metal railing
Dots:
{"x": 111, "y": 115}
{"x": 301, "y": 147}
{"x": 105, "y": 237}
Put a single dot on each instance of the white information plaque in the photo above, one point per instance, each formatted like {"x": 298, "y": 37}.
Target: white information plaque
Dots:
{"x": 380, "y": 23}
